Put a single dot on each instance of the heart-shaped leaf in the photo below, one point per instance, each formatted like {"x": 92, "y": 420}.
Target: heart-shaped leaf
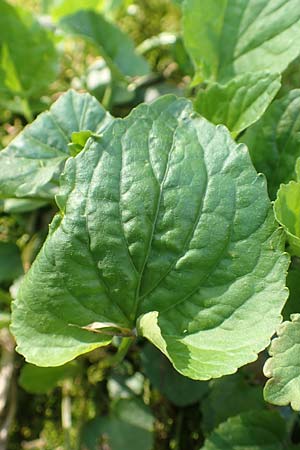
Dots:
{"x": 164, "y": 225}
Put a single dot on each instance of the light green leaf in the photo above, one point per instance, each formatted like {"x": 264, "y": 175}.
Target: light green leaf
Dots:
{"x": 283, "y": 368}
{"x": 116, "y": 47}
{"x": 28, "y": 59}
{"x": 62, "y": 8}
{"x": 32, "y": 163}
{"x": 274, "y": 141}
{"x": 130, "y": 426}
{"x": 287, "y": 212}
{"x": 227, "y": 38}
{"x": 240, "y": 102}
{"x": 228, "y": 397}
{"x": 10, "y": 262}
{"x": 178, "y": 389}
{"x": 133, "y": 245}
{"x": 42, "y": 380}
{"x": 257, "y": 430}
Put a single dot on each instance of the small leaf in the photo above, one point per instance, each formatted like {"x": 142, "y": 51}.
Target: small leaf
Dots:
{"x": 287, "y": 212}
{"x": 257, "y": 430}
{"x": 114, "y": 45}
{"x": 133, "y": 245}
{"x": 283, "y": 368}
{"x": 42, "y": 380}
{"x": 178, "y": 389}
{"x": 33, "y": 161}
{"x": 274, "y": 141}
{"x": 240, "y": 102}
{"x": 228, "y": 38}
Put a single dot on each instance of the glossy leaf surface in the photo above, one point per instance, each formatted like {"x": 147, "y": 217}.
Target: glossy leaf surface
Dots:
{"x": 133, "y": 246}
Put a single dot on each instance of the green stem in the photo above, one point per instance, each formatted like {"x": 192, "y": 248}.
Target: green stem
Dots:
{"x": 122, "y": 351}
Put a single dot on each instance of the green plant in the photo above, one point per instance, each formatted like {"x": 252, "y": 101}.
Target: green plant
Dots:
{"x": 163, "y": 232}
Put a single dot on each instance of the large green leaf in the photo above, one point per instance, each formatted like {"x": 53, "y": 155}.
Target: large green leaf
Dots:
{"x": 257, "y": 430}
{"x": 274, "y": 141}
{"x": 28, "y": 60}
{"x": 227, "y": 38}
{"x": 283, "y": 368}
{"x": 32, "y": 163}
{"x": 164, "y": 225}
{"x": 229, "y": 396}
{"x": 116, "y": 47}
{"x": 240, "y": 102}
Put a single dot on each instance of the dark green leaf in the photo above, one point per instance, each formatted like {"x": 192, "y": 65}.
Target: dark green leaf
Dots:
{"x": 228, "y": 397}
{"x": 10, "y": 262}
{"x": 292, "y": 282}
{"x": 178, "y": 389}
{"x": 257, "y": 430}
{"x": 130, "y": 426}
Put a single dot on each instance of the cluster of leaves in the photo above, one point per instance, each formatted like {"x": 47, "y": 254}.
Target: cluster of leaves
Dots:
{"x": 166, "y": 265}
